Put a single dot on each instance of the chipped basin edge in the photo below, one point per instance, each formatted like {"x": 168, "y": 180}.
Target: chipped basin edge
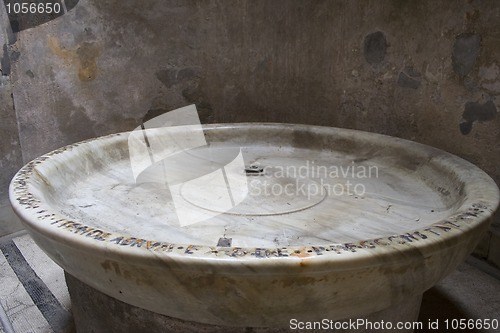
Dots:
{"x": 454, "y": 236}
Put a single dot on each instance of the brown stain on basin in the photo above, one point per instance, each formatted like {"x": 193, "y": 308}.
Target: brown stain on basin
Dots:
{"x": 111, "y": 265}
{"x": 220, "y": 283}
{"x": 135, "y": 275}
{"x": 301, "y": 281}
{"x": 84, "y": 57}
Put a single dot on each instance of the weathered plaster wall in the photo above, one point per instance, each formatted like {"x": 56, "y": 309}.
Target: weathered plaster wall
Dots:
{"x": 428, "y": 71}
{"x": 10, "y": 150}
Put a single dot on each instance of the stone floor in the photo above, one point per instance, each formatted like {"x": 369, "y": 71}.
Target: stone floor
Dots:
{"x": 472, "y": 291}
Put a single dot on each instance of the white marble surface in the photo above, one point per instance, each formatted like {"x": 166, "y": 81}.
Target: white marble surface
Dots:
{"x": 193, "y": 232}
{"x": 278, "y": 210}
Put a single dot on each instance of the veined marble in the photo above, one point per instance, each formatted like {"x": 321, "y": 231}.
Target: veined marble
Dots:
{"x": 263, "y": 223}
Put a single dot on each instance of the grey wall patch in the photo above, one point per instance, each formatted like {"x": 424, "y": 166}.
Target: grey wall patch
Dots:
{"x": 465, "y": 52}
{"x": 375, "y": 48}
{"x": 5, "y": 61}
{"x": 474, "y": 111}
{"x": 172, "y": 76}
{"x": 409, "y": 78}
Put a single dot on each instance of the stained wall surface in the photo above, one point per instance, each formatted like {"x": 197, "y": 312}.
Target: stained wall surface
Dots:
{"x": 427, "y": 71}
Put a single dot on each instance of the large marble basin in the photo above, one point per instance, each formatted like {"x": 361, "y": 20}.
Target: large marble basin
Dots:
{"x": 262, "y": 224}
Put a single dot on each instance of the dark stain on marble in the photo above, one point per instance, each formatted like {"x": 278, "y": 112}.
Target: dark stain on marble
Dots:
{"x": 224, "y": 242}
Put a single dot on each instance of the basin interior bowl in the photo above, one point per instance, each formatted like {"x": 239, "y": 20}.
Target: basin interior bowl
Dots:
{"x": 250, "y": 202}
{"x": 306, "y": 194}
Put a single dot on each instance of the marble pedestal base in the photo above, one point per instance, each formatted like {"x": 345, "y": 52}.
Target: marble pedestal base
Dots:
{"x": 96, "y": 312}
